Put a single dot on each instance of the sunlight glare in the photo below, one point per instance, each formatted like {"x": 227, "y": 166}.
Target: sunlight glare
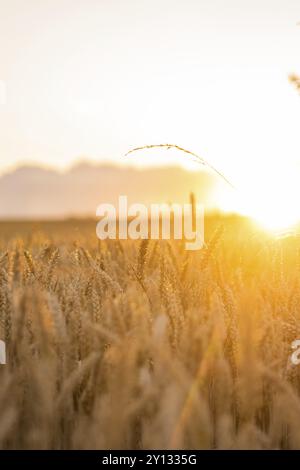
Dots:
{"x": 272, "y": 204}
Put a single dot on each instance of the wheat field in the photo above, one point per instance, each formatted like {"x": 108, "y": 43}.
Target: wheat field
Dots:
{"x": 144, "y": 345}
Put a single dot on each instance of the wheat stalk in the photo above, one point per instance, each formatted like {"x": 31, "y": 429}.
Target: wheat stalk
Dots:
{"x": 198, "y": 159}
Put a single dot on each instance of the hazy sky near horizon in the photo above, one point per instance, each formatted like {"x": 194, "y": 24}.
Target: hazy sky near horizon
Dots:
{"x": 94, "y": 78}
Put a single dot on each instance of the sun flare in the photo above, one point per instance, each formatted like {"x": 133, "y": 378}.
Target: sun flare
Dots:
{"x": 273, "y": 206}
{"x": 275, "y": 220}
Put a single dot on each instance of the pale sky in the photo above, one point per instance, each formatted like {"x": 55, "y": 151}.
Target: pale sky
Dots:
{"x": 94, "y": 78}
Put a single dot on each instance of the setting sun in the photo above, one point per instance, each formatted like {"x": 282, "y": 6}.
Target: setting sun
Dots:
{"x": 276, "y": 219}
{"x": 271, "y": 200}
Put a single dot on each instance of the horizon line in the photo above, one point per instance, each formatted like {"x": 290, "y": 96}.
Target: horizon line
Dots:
{"x": 104, "y": 163}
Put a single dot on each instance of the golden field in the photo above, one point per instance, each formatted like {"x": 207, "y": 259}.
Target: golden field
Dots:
{"x": 143, "y": 345}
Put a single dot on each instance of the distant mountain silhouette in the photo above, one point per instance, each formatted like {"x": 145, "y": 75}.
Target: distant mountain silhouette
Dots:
{"x": 33, "y": 192}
